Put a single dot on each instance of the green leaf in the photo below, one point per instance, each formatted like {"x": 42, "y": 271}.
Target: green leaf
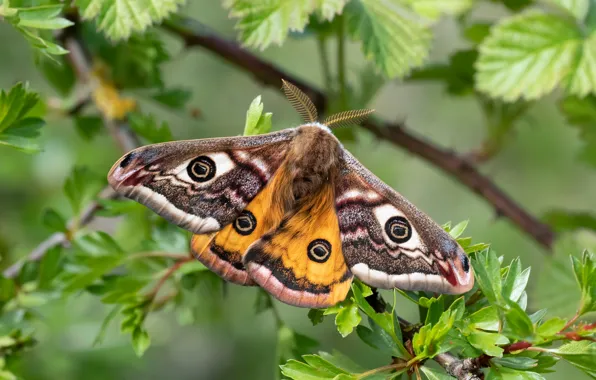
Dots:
{"x": 54, "y": 221}
{"x": 515, "y": 282}
{"x": 428, "y": 341}
{"x": 316, "y": 316}
{"x": 528, "y": 55}
{"x": 16, "y": 129}
{"x": 392, "y": 40}
{"x": 256, "y": 122}
{"x": 347, "y": 316}
{"x": 551, "y": 327}
{"x": 517, "y": 323}
{"x": 580, "y": 113}
{"x": 118, "y": 19}
{"x": 49, "y": 267}
{"x": 516, "y": 362}
{"x": 433, "y": 9}
{"x": 135, "y": 63}
{"x": 296, "y": 370}
{"x": 433, "y": 374}
{"x": 140, "y": 341}
{"x": 269, "y": 22}
{"x": 380, "y": 339}
{"x": 29, "y": 21}
{"x": 585, "y": 275}
{"x": 488, "y": 342}
{"x": 486, "y": 318}
{"x": 581, "y": 354}
{"x": 476, "y": 33}
{"x": 459, "y": 229}
{"x": 504, "y": 373}
{"x": 146, "y": 127}
{"x": 488, "y": 275}
{"x": 81, "y": 186}
{"x": 43, "y": 17}
{"x": 323, "y": 365}
{"x": 329, "y": 8}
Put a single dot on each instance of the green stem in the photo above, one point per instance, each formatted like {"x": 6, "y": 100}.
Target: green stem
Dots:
{"x": 341, "y": 63}
{"x": 322, "y": 46}
{"x": 381, "y": 369}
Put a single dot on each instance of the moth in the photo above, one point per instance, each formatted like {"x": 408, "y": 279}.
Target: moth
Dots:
{"x": 293, "y": 212}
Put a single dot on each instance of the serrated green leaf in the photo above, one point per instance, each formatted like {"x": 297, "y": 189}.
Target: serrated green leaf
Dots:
{"x": 580, "y": 113}
{"x": 393, "y": 41}
{"x": 581, "y": 354}
{"x": 268, "y": 22}
{"x": 582, "y": 78}
{"x": 140, "y": 341}
{"x": 488, "y": 275}
{"x": 428, "y": 341}
{"x": 347, "y": 318}
{"x": 146, "y": 127}
{"x": 532, "y": 68}
{"x": 118, "y": 19}
{"x": 432, "y": 374}
{"x": 16, "y": 129}
{"x": 585, "y": 275}
{"x": 433, "y": 9}
{"x": 256, "y": 122}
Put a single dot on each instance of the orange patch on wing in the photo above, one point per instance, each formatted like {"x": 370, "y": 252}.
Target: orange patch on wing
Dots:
{"x": 223, "y": 251}
{"x": 301, "y": 261}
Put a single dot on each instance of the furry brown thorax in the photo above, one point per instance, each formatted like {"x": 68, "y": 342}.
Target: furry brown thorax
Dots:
{"x": 311, "y": 162}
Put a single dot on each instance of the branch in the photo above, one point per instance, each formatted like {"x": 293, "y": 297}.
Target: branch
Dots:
{"x": 123, "y": 136}
{"x": 195, "y": 34}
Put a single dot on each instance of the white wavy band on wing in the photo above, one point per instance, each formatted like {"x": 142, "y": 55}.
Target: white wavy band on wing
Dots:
{"x": 410, "y": 281}
{"x": 160, "y": 205}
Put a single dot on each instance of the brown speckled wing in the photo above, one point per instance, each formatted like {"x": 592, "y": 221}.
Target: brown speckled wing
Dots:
{"x": 389, "y": 243}
{"x": 200, "y": 185}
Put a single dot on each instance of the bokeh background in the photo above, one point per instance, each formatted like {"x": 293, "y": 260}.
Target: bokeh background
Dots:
{"x": 538, "y": 168}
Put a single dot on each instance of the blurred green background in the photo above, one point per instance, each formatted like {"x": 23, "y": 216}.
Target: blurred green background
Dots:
{"x": 538, "y": 168}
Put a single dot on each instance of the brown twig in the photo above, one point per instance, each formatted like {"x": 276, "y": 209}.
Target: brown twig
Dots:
{"x": 195, "y": 34}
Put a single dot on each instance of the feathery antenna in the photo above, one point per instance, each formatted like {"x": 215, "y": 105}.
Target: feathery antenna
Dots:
{"x": 307, "y": 110}
{"x": 347, "y": 117}
{"x": 300, "y": 102}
